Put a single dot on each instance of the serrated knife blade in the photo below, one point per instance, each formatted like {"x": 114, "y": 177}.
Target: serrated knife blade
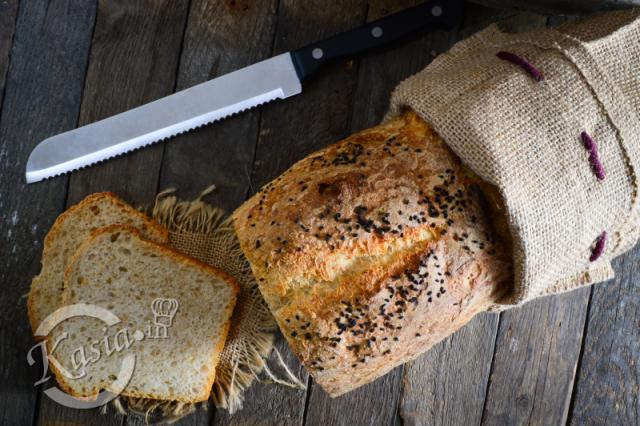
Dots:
{"x": 275, "y": 78}
{"x": 271, "y": 79}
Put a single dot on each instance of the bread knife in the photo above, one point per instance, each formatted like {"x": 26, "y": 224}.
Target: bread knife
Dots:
{"x": 278, "y": 77}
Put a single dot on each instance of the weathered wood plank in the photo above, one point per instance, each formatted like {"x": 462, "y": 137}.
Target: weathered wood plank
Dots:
{"x": 41, "y": 97}
{"x": 289, "y": 131}
{"x": 53, "y": 414}
{"x": 447, "y": 385}
{"x": 220, "y": 37}
{"x": 378, "y": 73}
{"x": 535, "y": 361}
{"x": 537, "y": 347}
{"x": 302, "y": 124}
{"x": 271, "y": 404}
{"x": 201, "y": 415}
{"x": 8, "y": 14}
{"x": 608, "y": 380}
{"x": 134, "y": 57}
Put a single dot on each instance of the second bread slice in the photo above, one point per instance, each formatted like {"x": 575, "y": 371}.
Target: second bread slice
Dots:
{"x": 181, "y": 306}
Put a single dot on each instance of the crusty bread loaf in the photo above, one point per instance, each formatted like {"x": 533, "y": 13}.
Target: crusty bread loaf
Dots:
{"x": 67, "y": 233}
{"x": 144, "y": 284}
{"x": 372, "y": 250}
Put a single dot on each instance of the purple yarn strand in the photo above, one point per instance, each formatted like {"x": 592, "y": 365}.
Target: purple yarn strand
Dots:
{"x": 522, "y": 63}
{"x": 592, "y": 149}
{"x": 598, "y": 249}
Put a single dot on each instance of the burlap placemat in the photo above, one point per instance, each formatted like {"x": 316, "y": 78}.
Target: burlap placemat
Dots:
{"x": 206, "y": 233}
{"x": 550, "y": 118}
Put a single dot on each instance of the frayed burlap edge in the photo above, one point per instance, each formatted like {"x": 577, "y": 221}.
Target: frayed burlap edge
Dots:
{"x": 193, "y": 225}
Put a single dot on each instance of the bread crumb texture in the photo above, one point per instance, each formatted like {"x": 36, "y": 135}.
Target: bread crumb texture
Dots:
{"x": 67, "y": 233}
{"x": 372, "y": 250}
{"x": 118, "y": 270}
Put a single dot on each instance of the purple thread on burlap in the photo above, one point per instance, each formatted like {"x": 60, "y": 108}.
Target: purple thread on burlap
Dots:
{"x": 592, "y": 149}
{"x": 598, "y": 249}
{"x": 522, "y": 63}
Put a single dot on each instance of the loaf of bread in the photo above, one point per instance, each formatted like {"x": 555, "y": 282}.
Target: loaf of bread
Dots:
{"x": 174, "y": 314}
{"x": 374, "y": 249}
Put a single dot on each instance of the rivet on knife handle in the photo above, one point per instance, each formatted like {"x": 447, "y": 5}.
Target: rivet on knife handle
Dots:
{"x": 438, "y": 14}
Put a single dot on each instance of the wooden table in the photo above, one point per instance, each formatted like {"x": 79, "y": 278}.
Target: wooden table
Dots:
{"x": 65, "y": 63}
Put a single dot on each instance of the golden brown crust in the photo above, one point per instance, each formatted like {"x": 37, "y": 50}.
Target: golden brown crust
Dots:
{"x": 373, "y": 249}
{"x": 89, "y": 199}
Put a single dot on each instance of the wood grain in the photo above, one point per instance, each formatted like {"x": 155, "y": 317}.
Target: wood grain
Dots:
{"x": 447, "y": 385}
{"x": 535, "y": 360}
{"x": 294, "y": 128}
{"x": 41, "y": 98}
{"x": 378, "y": 73}
{"x": 54, "y": 414}
{"x": 8, "y": 14}
{"x": 268, "y": 403}
{"x": 134, "y": 57}
{"x": 372, "y": 404}
{"x": 305, "y": 123}
{"x": 138, "y": 49}
{"x": 608, "y": 382}
{"x": 220, "y": 37}
{"x": 538, "y": 345}
{"x": 201, "y": 415}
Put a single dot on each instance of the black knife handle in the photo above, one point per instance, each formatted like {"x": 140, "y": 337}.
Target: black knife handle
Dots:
{"x": 434, "y": 14}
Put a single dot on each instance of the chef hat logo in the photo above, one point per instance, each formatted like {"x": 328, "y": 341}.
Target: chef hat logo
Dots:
{"x": 164, "y": 310}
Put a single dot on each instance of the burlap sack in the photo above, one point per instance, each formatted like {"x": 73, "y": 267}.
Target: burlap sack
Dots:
{"x": 567, "y": 200}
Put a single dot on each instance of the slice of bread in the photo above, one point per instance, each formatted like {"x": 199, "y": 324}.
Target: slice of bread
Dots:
{"x": 67, "y": 233}
{"x": 154, "y": 291}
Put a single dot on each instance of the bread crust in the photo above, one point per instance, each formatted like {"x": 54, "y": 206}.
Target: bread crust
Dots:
{"x": 371, "y": 250}
{"x": 181, "y": 258}
{"x": 54, "y": 232}
{"x": 92, "y": 198}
